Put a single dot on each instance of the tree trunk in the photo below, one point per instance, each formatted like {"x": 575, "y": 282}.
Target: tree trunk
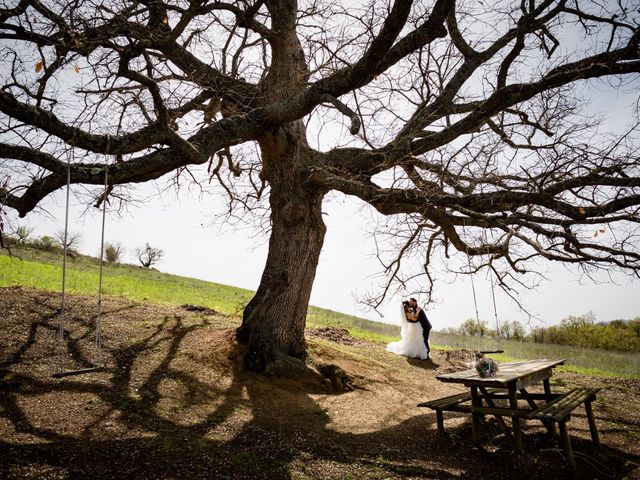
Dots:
{"x": 274, "y": 320}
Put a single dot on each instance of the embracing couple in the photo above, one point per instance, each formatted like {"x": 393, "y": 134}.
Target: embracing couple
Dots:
{"x": 414, "y": 330}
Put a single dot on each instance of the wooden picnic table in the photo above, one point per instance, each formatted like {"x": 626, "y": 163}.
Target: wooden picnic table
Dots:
{"x": 513, "y": 378}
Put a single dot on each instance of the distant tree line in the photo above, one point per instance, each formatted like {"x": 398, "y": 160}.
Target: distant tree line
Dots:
{"x": 506, "y": 330}
{"x": 578, "y": 330}
{"x": 621, "y": 335}
{"x": 113, "y": 252}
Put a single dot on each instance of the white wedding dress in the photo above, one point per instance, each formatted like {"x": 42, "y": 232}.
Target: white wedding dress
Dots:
{"x": 412, "y": 343}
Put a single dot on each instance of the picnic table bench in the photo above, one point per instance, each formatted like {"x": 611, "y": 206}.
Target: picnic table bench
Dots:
{"x": 510, "y": 383}
{"x": 559, "y": 410}
{"x": 456, "y": 403}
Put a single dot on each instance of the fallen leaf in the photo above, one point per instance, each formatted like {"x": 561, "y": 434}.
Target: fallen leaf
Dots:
{"x": 39, "y": 66}
{"x": 602, "y": 230}
{"x": 582, "y": 210}
{"x": 76, "y": 69}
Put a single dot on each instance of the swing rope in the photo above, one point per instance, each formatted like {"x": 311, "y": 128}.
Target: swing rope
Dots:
{"x": 99, "y": 365}
{"x": 495, "y": 314}
{"x": 475, "y": 304}
{"x": 475, "y": 299}
{"x": 61, "y": 349}
{"x": 98, "y": 316}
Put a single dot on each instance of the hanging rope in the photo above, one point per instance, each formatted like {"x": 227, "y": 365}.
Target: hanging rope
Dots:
{"x": 473, "y": 289}
{"x": 104, "y": 215}
{"x": 475, "y": 304}
{"x": 99, "y": 364}
{"x": 495, "y": 314}
{"x": 61, "y": 344}
{"x": 99, "y": 315}
{"x": 473, "y": 286}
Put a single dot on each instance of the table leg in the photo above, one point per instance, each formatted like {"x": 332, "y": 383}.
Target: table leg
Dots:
{"x": 475, "y": 417}
{"x": 566, "y": 445}
{"x": 547, "y": 392}
{"x": 499, "y": 419}
{"x": 440, "y": 419}
{"x": 548, "y": 424}
{"x": 513, "y": 403}
{"x": 592, "y": 423}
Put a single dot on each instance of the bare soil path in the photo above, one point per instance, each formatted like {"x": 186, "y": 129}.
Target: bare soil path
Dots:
{"x": 175, "y": 403}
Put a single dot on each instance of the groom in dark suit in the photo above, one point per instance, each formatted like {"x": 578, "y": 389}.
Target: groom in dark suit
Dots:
{"x": 421, "y": 317}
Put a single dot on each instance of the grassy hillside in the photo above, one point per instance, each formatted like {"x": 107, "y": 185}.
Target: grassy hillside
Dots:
{"x": 42, "y": 269}
{"x": 591, "y": 361}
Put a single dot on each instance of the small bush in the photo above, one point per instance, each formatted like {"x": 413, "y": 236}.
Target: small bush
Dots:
{"x": 113, "y": 253}
{"x": 22, "y": 235}
{"x": 8, "y": 241}
{"x": 46, "y": 243}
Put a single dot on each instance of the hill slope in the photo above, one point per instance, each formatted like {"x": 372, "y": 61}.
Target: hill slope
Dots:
{"x": 175, "y": 403}
{"x": 40, "y": 269}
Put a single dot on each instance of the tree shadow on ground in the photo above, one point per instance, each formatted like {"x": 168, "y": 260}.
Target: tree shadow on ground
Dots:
{"x": 254, "y": 426}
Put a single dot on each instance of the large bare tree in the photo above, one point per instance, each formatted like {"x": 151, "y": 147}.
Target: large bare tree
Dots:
{"x": 465, "y": 123}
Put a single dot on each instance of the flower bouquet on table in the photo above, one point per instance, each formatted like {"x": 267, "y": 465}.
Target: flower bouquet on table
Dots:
{"x": 486, "y": 367}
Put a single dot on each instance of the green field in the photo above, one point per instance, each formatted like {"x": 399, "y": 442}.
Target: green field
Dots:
{"x": 582, "y": 360}
{"x": 42, "y": 270}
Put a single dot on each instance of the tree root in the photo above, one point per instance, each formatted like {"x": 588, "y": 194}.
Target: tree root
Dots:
{"x": 340, "y": 380}
{"x": 327, "y": 377}
{"x": 313, "y": 373}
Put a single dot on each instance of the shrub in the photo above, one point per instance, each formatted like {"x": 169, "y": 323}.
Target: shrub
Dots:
{"x": 474, "y": 328}
{"x": 7, "y": 241}
{"x": 22, "y": 235}
{"x": 46, "y": 243}
{"x": 113, "y": 252}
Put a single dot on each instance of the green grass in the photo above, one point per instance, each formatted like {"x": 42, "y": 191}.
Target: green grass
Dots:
{"x": 128, "y": 281}
{"x": 360, "y": 327}
{"x": 579, "y": 359}
{"x": 42, "y": 270}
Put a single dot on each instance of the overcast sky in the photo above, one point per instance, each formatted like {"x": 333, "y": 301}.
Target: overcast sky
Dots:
{"x": 220, "y": 253}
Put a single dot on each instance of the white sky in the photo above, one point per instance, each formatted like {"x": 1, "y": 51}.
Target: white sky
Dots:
{"x": 236, "y": 257}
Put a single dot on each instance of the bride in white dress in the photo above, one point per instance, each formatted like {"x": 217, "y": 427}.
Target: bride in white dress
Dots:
{"x": 412, "y": 343}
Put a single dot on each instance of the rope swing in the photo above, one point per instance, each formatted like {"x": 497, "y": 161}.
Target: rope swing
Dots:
{"x": 475, "y": 304}
{"x": 61, "y": 350}
{"x": 495, "y": 313}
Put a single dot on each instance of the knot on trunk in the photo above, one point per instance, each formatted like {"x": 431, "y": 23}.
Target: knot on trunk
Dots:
{"x": 293, "y": 213}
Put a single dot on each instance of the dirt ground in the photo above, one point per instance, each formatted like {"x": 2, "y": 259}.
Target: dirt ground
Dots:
{"x": 174, "y": 402}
